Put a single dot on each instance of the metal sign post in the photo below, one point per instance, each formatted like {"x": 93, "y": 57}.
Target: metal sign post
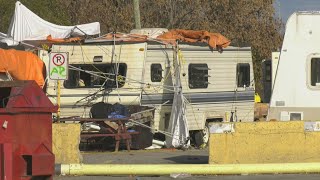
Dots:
{"x": 58, "y": 70}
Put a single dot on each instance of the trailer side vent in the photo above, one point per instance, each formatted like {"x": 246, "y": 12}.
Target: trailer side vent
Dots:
{"x": 97, "y": 58}
{"x": 294, "y": 116}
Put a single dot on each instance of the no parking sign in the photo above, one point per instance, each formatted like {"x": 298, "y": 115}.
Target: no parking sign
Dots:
{"x": 58, "y": 66}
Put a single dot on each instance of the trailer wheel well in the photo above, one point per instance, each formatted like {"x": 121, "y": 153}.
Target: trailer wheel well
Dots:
{"x": 214, "y": 120}
{"x": 201, "y": 137}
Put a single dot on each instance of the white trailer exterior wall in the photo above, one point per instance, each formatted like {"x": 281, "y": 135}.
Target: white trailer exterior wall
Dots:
{"x": 274, "y": 61}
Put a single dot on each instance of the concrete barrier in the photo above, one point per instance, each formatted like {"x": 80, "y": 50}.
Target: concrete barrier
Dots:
{"x": 65, "y": 143}
{"x": 264, "y": 142}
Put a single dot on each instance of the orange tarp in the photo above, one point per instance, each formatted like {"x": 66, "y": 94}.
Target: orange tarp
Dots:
{"x": 214, "y": 40}
{"x": 73, "y": 39}
{"x": 22, "y": 65}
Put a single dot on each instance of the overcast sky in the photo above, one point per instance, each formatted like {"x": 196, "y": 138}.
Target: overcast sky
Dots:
{"x": 287, "y": 7}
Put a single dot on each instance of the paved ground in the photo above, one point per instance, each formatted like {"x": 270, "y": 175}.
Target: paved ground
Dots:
{"x": 162, "y": 156}
{"x": 169, "y": 156}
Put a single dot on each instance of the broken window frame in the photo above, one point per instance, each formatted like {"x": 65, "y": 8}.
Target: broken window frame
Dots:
{"x": 243, "y": 75}
{"x": 156, "y": 72}
{"x": 94, "y": 81}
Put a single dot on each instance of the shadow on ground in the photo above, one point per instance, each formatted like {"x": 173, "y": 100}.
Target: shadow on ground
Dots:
{"x": 189, "y": 159}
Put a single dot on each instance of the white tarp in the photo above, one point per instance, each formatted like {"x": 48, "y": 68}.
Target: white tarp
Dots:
{"x": 2, "y": 35}
{"x": 26, "y": 25}
{"x": 5, "y": 39}
{"x": 178, "y": 120}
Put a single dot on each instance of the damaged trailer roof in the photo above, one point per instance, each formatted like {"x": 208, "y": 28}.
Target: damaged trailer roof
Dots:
{"x": 214, "y": 40}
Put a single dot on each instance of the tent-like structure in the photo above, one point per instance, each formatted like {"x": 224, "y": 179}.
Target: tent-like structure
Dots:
{"x": 27, "y": 26}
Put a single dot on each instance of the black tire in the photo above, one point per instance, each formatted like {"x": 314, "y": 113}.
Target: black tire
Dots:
{"x": 198, "y": 139}
{"x": 201, "y": 138}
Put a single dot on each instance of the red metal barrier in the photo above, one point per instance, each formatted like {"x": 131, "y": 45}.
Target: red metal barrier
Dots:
{"x": 25, "y": 131}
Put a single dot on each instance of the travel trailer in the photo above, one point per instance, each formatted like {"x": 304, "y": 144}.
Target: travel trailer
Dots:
{"x": 217, "y": 86}
{"x": 296, "y": 87}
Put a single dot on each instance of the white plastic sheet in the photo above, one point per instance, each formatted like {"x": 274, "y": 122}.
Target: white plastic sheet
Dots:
{"x": 2, "y": 35}
{"x": 26, "y": 25}
{"x": 5, "y": 39}
{"x": 178, "y": 125}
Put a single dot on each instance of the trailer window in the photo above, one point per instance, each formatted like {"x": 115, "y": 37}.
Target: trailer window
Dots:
{"x": 94, "y": 75}
{"x": 156, "y": 72}
{"x": 315, "y": 72}
{"x": 243, "y": 74}
{"x": 198, "y": 76}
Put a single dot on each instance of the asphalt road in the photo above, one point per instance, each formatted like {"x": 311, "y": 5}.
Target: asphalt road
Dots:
{"x": 169, "y": 156}
{"x": 160, "y": 156}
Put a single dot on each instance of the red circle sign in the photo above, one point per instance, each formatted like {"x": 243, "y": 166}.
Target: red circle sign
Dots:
{"x": 58, "y": 59}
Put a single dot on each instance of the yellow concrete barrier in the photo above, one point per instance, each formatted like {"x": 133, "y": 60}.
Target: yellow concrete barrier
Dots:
{"x": 265, "y": 142}
{"x": 65, "y": 143}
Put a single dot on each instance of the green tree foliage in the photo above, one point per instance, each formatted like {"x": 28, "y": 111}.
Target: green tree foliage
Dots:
{"x": 245, "y": 22}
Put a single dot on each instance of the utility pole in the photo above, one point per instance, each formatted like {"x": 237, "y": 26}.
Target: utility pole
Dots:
{"x": 136, "y": 10}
